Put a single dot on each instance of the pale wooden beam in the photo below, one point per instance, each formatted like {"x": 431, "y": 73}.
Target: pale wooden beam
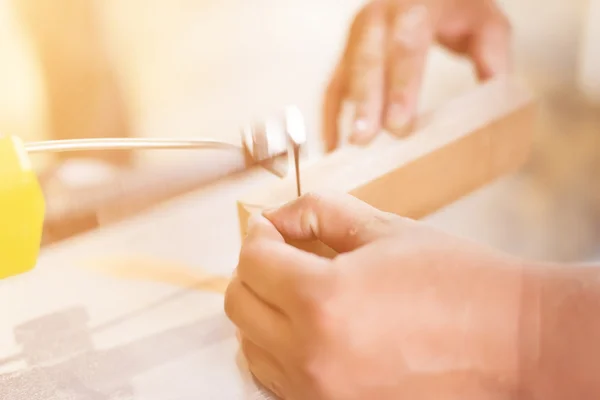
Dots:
{"x": 463, "y": 145}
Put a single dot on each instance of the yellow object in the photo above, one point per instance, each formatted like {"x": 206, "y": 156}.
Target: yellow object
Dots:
{"x": 22, "y": 209}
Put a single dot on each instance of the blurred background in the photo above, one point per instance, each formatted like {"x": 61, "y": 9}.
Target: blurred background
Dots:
{"x": 180, "y": 68}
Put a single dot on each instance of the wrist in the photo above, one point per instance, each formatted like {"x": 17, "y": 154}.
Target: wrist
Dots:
{"x": 561, "y": 361}
{"x": 534, "y": 279}
{"x": 516, "y": 294}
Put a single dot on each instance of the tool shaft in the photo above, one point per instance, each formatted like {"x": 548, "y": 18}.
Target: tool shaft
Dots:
{"x": 59, "y": 146}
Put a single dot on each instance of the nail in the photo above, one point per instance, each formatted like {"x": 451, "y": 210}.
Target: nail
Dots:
{"x": 397, "y": 117}
{"x": 361, "y": 131}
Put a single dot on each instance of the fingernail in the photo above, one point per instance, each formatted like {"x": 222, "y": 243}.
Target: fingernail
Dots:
{"x": 397, "y": 117}
{"x": 361, "y": 131}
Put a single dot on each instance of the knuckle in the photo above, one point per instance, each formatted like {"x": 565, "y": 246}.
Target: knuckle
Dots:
{"x": 367, "y": 58}
{"x": 319, "y": 318}
{"x": 365, "y": 86}
{"x": 324, "y": 314}
{"x": 308, "y": 303}
{"x": 404, "y": 69}
{"x": 412, "y": 29}
{"x": 372, "y": 35}
{"x": 322, "y": 306}
{"x": 365, "y": 45}
{"x": 397, "y": 92}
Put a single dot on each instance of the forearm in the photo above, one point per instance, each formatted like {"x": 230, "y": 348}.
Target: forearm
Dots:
{"x": 566, "y": 363}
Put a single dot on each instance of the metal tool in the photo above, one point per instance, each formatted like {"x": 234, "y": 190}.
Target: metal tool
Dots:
{"x": 61, "y": 146}
{"x": 283, "y": 134}
{"x": 263, "y": 142}
{"x": 271, "y": 143}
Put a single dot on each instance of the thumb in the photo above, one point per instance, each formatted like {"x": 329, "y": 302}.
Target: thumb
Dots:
{"x": 340, "y": 221}
{"x": 490, "y": 48}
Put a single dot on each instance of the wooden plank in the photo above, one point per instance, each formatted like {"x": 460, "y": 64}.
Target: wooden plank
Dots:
{"x": 456, "y": 149}
{"x": 71, "y": 211}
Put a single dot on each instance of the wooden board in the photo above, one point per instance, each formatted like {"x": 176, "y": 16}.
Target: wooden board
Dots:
{"x": 480, "y": 136}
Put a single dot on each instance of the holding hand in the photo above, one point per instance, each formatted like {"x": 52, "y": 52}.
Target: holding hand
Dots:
{"x": 403, "y": 312}
{"x": 382, "y": 66}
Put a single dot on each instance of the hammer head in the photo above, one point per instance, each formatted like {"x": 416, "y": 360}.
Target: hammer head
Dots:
{"x": 271, "y": 142}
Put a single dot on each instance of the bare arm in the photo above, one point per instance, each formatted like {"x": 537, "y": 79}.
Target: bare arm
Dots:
{"x": 566, "y": 363}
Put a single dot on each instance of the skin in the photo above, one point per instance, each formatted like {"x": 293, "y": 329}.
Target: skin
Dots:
{"x": 407, "y": 312}
{"x": 381, "y": 69}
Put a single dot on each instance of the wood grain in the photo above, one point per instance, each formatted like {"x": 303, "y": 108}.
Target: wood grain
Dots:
{"x": 454, "y": 150}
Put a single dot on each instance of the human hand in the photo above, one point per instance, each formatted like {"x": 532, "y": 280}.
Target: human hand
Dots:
{"x": 381, "y": 69}
{"x": 403, "y": 312}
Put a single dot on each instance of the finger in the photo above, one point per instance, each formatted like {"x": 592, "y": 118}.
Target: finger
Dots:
{"x": 490, "y": 48}
{"x": 365, "y": 62}
{"x": 411, "y": 36}
{"x": 456, "y": 385}
{"x": 342, "y": 222}
{"x": 332, "y": 106}
{"x": 278, "y": 273}
{"x": 265, "y": 368}
{"x": 261, "y": 228}
{"x": 257, "y": 320}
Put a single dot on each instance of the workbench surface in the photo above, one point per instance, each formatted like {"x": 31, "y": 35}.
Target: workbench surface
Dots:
{"x": 131, "y": 312}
